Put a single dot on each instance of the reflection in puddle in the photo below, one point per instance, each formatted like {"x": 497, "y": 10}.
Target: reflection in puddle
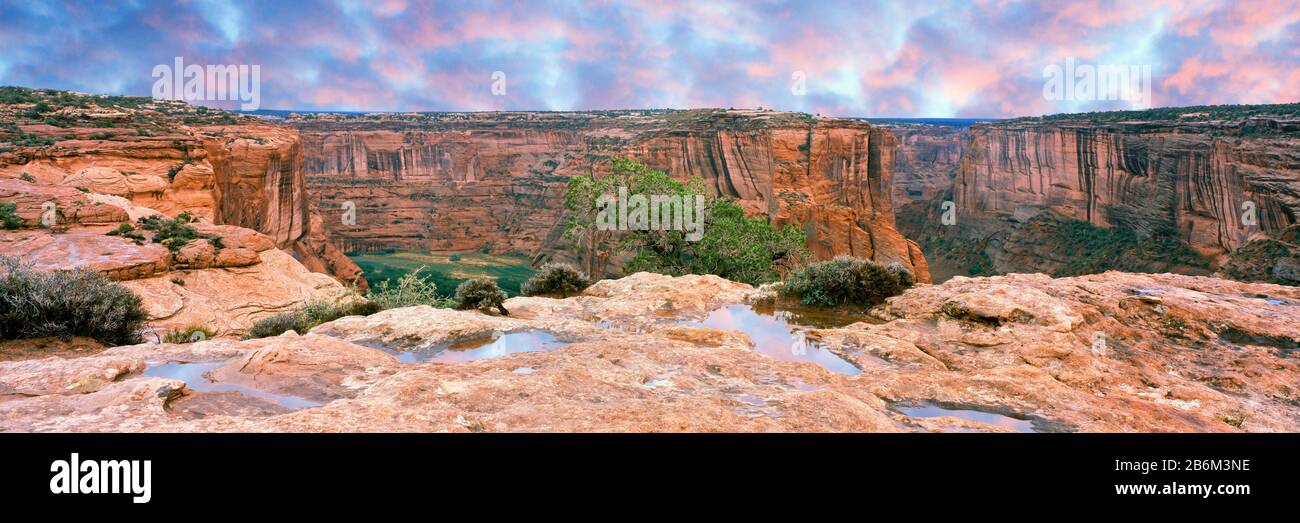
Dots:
{"x": 799, "y": 384}
{"x": 195, "y": 376}
{"x": 930, "y": 410}
{"x": 480, "y": 348}
{"x": 774, "y": 337}
{"x": 795, "y": 313}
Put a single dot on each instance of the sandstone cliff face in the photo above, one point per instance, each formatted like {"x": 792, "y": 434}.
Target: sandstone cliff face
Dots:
{"x": 464, "y": 182}
{"x": 225, "y": 289}
{"x": 1197, "y": 180}
{"x": 926, "y": 160}
{"x": 1204, "y": 187}
{"x": 247, "y": 174}
{"x": 111, "y": 161}
{"x": 1112, "y": 352}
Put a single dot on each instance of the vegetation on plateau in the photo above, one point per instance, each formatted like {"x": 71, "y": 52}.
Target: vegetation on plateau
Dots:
{"x": 732, "y": 245}
{"x": 481, "y": 294}
{"x": 556, "y": 279}
{"x": 846, "y": 281}
{"x": 79, "y": 302}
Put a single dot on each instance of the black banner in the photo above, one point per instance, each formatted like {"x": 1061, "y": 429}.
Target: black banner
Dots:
{"x": 320, "y": 472}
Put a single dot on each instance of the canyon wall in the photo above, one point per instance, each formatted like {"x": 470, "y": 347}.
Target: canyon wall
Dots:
{"x": 1190, "y": 192}
{"x": 926, "y": 160}
{"x": 246, "y": 174}
{"x": 459, "y": 182}
{"x": 79, "y": 170}
{"x": 1197, "y": 180}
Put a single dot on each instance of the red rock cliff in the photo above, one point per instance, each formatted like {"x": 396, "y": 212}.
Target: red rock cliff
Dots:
{"x": 468, "y": 181}
{"x": 1197, "y": 179}
{"x": 174, "y": 158}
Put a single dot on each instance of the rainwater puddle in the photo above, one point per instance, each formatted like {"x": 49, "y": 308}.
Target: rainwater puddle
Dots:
{"x": 532, "y": 340}
{"x": 930, "y": 410}
{"x": 775, "y": 337}
{"x": 195, "y": 376}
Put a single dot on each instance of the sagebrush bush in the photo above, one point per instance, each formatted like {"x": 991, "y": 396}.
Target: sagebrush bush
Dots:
{"x": 410, "y": 290}
{"x": 79, "y": 302}
{"x": 174, "y": 233}
{"x": 845, "y": 280}
{"x": 274, "y": 325}
{"x": 311, "y": 314}
{"x": 9, "y": 218}
{"x": 319, "y": 311}
{"x": 482, "y": 294}
{"x": 189, "y": 334}
{"x": 555, "y": 278}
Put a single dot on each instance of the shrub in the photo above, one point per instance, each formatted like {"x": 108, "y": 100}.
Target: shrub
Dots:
{"x": 173, "y": 171}
{"x": 28, "y": 140}
{"x": 410, "y": 290}
{"x": 189, "y": 334}
{"x": 273, "y": 325}
{"x": 734, "y": 246}
{"x": 174, "y": 233}
{"x": 319, "y": 311}
{"x": 847, "y": 280}
{"x": 126, "y": 230}
{"x": 730, "y": 244}
{"x": 482, "y": 294}
{"x": 9, "y": 218}
{"x": 308, "y": 316}
{"x": 454, "y": 257}
{"x": 79, "y": 302}
{"x": 555, "y": 278}
{"x": 27, "y": 177}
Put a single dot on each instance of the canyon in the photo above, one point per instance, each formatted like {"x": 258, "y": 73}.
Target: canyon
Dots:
{"x": 278, "y": 201}
{"x": 1200, "y": 190}
{"x": 496, "y": 181}
{"x": 80, "y": 171}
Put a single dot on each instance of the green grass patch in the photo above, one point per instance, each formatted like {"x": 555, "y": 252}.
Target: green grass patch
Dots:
{"x": 447, "y": 271}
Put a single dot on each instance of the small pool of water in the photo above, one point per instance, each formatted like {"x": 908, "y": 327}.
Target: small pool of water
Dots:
{"x": 795, "y": 313}
{"x": 195, "y": 376}
{"x": 532, "y": 340}
{"x": 930, "y": 410}
{"x": 774, "y": 337}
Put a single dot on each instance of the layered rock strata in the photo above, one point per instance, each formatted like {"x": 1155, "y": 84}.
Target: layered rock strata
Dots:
{"x": 459, "y": 182}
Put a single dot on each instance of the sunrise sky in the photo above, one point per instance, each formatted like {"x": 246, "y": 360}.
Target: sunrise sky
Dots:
{"x": 888, "y": 59}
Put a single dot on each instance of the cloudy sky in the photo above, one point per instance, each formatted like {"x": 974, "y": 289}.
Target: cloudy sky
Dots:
{"x": 912, "y": 58}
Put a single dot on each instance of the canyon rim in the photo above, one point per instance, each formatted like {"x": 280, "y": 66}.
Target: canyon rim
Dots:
{"x": 979, "y": 252}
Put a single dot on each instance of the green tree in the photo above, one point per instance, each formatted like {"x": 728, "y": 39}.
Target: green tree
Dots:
{"x": 732, "y": 245}
{"x": 595, "y": 245}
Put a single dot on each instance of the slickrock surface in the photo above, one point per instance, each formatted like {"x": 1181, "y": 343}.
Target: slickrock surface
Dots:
{"x": 460, "y": 182}
{"x": 1109, "y": 352}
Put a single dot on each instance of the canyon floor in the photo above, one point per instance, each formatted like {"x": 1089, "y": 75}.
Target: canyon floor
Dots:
{"x": 1114, "y": 352}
